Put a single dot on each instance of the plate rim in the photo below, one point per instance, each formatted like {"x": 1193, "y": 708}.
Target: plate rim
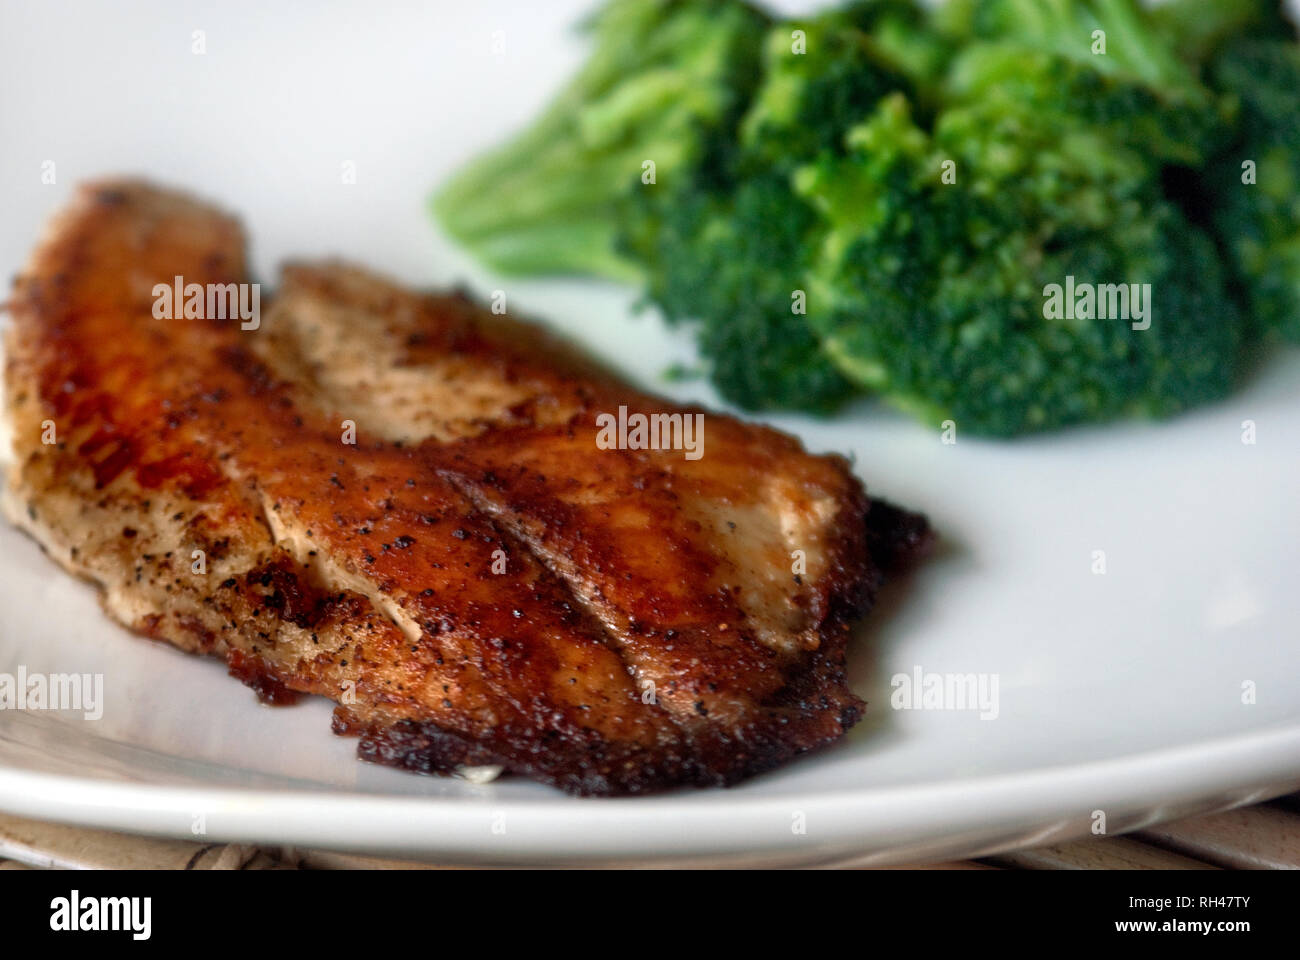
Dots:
{"x": 938, "y": 820}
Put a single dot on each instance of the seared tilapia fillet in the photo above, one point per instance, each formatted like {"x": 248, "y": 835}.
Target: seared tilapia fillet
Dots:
{"x": 398, "y": 501}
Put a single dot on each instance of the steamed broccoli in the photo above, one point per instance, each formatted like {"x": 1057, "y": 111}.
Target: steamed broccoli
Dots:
{"x": 663, "y": 78}
{"x": 729, "y": 262}
{"x": 933, "y": 294}
{"x": 879, "y": 198}
{"x": 727, "y": 244}
{"x": 932, "y": 291}
{"x": 1177, "y": 121}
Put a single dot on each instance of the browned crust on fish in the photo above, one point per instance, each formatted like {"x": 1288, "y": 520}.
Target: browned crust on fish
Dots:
{"x": 474, "y": 580}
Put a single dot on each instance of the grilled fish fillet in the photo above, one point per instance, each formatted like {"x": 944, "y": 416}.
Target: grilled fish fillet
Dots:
{"x": 470, "y": 576}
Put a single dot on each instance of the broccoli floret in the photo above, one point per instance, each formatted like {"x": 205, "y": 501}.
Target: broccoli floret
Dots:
{"x": 933, "y": 294}
{"x": 1255, "y": 182}
{"x": 918, "y": 181}
{"x": 726, "y": 247}
{"x": 1175, "y": 124}
{"x": 1046, "y": 55}
{"x": 808, "y": 98}
{"x": 729, "y": 264}
{"x": 821, "y": 76}
{"x": 1058, "y": 164}
{"x": 663, "y": 78}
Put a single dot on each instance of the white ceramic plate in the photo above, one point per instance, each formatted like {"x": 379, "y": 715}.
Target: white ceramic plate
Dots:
{"x": 1166, "y": 685}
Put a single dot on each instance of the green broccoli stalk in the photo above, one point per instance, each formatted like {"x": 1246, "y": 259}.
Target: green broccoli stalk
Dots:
{"x": 663, "y": 78}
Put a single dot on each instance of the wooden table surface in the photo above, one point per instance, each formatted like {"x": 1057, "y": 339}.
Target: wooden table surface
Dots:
{"x": 1262, "y": 837}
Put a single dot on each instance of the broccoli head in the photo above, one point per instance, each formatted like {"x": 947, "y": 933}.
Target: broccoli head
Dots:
{"x": 726, "y": 244}
{"x": 730, "y": 264}
{"x": 934, "y": 294}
